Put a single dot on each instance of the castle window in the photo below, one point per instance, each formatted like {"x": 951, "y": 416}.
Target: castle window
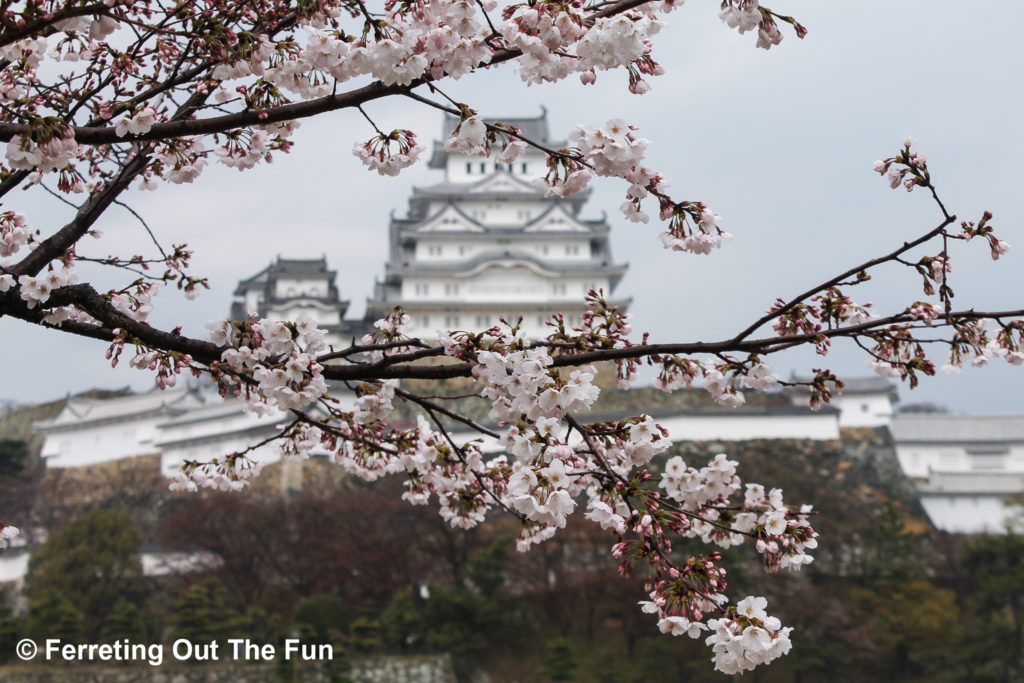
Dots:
{"x": 425, "y": 321}
{"x": 434, "y": 250}
{"x": 481, "y": 321}
{"x": 572, "y": 250}
{"x": 462, "y": 250}
{"x": 469, "y": 167}
{"x": 451, "y": 290}
{"x": 524, "y": 168}
{"x": 483, "y": 167}
{"x": 558, "y": 289}
{"x": 988, "y": 458}
{"x": 422, "y": 290}
{"x": 451, "y": 321}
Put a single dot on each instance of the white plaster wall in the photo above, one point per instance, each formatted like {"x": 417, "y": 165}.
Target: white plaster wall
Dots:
{"x": 918, "y": 460}
{"x": 164, "y": 564}
{"x": 868, "y": 410}
{"x": 92, "y": 444}
{"x": 967, "y": 514}
{"x": 821, "y": 427}
{"x": 858, "y": 410}
{"x": 13, "y": 565}
{"x": 288, "y": 287}
{"x": 425, "y": 324}
{"x": 434, "y": 250}
{"x": 504, "y": 287}
{"x": 727, "y": 428}
{"x": 515, "y": 284}
{"x": 228, "y": 416}
{"x": 293, "y": 311}
{"x": 253, "y": 299}
{"x": 456, "y": 170}
{"x": 439, "y": 250}
{"x": 229, "y": 432}
{"x": 173, "y": 456}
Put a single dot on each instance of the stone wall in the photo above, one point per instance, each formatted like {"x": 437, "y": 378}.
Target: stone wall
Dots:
{"x": 420, "y": 669}
{"x": 425, "y": 669}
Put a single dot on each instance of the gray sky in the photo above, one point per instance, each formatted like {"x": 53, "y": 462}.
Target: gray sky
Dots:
{"x": 780, "y": 143}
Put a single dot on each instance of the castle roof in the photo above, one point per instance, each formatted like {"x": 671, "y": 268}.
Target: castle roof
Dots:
{"x": 945, "y": 428}
{"x": 78, "y": 411}
{"x": 288, "y": 268}
{"x": 534, "y": 128}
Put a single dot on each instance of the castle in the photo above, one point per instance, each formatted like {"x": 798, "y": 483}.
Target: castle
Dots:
{"x": 485, "y": 243}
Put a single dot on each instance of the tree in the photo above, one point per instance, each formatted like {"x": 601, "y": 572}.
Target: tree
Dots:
{"x": 323, "y": 613}
{"x": 203, "y": 615}
{"x": 13, "y": 457}
{"x": 996, "y": 634}
{"x": 11, "y": 629}
{"x": 146, "y": 93}
{"x": 560, "y": 663}
{"x": 128, "y": 621}
{"x": 93, "y": 562}
{"x": 54, "y": 616}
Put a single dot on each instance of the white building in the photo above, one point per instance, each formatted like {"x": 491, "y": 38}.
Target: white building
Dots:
{"x": 216, "y": 430}
{"x": 748, "y": 422}
{"x": 288, "y": 288}
{"x": 865, "y": 401}
{"x": 175, "y": 423}
{"x": 964, "y": 466}
{"x": 88, "y": 431}
{"x": 486, "y": 243}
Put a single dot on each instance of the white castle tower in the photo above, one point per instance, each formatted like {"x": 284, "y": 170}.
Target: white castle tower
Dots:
{"x": 486, "y": 242}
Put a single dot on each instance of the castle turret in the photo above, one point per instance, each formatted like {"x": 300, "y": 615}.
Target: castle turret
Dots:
{"x": 486, "y": 242}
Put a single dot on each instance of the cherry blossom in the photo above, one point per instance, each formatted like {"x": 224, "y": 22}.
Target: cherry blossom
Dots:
{"x": 179, "y": 89}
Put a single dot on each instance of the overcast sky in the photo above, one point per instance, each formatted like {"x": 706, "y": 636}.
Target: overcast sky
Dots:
{"x": 780, "y": 143}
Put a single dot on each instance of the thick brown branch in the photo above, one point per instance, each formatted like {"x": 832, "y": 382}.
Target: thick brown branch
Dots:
{"x": 58, "y": 243}
{"x": 86, "y": 298}
{"x": 102, "y": 135}
{"x": 46, "y": 27}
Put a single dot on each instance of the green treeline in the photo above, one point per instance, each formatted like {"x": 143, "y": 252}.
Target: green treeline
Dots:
{"x": 353, "y": 566}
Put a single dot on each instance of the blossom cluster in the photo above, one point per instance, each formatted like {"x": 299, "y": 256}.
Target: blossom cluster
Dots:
{"x": 908, "y": 168}
{"x": 14, "y": 232}
{"x": 35, "y": 290}
{"x": 747, "y": 637}
{"x": 377, "y": 153}
{"x": 230, "y": 473}
{"x": 272, "y": 364}
{"x": 51, "y": 153}
{"x": 983, "y": 229}
{"x": 782, "y": 535}
{"x": 747, "y": 15}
